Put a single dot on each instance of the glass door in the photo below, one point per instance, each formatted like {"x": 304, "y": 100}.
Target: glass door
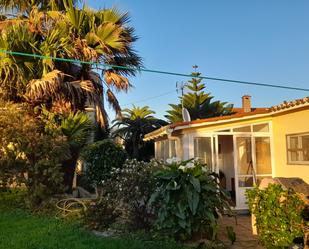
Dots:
{"x": 252, "y": 160}
{"x": 245, "y": 175}
{"x": 262, "y": 158}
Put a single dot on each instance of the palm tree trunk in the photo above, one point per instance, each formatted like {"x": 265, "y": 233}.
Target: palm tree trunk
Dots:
{"x": 69, "y": 167}
{"x": 135, "y": 144}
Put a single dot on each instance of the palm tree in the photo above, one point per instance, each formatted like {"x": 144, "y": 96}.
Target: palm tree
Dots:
{"x": 76, "y": 128}
{"x": 133, "y": 124}
{"x": 24, "y": 7}
{"x": 198, "y": 103}
{"x": 60, "y": 29}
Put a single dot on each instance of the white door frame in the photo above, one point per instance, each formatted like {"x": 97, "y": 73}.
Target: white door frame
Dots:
{"x": 240, "y": 202}
{"x": 239, "y": 191}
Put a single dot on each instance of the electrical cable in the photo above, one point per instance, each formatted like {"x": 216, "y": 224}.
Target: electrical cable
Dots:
{"x": 150, "y": 98}
{"x": 107, "y": 66}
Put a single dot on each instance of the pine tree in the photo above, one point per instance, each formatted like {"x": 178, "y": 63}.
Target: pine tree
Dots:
{"x": 198, "y": 103}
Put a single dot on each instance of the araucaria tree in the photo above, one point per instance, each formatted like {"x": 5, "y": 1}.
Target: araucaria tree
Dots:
{"x": 198, "y": 103}
{"x": 132, "y": 125}
{"x": 59, "y": 28}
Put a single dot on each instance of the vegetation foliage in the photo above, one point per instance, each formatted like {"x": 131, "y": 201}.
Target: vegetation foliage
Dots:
{"x": 132, "y": 125}
{"x": 28, "y": 156}
{"x": 58, "y": 28}
{"x": 21, "y": 230}
{"x": 189, "y": 200}
{"x": 132, "y": 186}
{"x": 198, "y": 103}
{"x": 101, "y": 214}
{"x": 76, "y": 128}
{"x": 180, "y": 200}
{"x": 278, "y": 215}
{"x": 100, "y": 158}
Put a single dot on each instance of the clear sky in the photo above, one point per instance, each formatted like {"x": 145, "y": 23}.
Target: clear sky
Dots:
{"x": 258, "y": 40}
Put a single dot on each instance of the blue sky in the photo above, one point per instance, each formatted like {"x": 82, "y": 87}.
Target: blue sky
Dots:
{"x": 257, "y": 40}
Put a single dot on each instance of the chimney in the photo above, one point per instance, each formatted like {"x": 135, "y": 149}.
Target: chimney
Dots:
{"x": 246, "y": 103}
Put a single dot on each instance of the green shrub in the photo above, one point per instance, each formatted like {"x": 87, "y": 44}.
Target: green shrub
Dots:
{"x": 101, "y": 214}
{"x": 278, "y": 215}
{"x": 28, "y": 156}
{"x": 100, "y": 158}
{"x": 132, "y": 186}
{"x": 188, "y": 200}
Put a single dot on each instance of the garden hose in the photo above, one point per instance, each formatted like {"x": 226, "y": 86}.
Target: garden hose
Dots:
{"x": 71, "y": 207}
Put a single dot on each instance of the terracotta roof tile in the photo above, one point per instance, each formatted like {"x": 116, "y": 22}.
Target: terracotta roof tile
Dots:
{"x": 238, "y": 114}
{"x": 289, "y": 104}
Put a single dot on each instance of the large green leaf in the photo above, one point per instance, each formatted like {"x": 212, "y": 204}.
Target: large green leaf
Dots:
{"x": 172, "y": 185}
{"x": 193, "y": 199}
{"x": 196, "y": 183}
{"x": 180, "y": 213}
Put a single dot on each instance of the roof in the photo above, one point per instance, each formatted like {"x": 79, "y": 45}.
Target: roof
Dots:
{"x": 238, "y": 113}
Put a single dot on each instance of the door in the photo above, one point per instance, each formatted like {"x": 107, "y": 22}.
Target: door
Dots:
{"x": 245, "y": 175}
{"x": 252, "y": 160}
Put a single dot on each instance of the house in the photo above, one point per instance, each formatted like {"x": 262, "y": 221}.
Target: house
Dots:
{"x": 244, "y": 147}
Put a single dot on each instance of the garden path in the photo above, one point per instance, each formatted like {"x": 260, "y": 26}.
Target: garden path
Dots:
{"x": 243, "y": 230}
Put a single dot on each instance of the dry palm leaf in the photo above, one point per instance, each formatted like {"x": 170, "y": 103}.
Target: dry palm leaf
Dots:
{"x": 49, "y": 84}
{"x": 112, "y": 100}
{"x": 116, "y": 80}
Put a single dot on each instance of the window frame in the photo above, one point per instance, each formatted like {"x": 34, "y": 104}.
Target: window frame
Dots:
{"x": 298, "y": 150}
{"x": 164, "y": 146}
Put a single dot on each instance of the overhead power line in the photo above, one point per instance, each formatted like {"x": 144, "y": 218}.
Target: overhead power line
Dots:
{"x": 156, "y": 71}
{"x": 150, "y": 98}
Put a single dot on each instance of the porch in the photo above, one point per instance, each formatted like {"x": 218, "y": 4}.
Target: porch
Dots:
{"x": 241, "y": 155}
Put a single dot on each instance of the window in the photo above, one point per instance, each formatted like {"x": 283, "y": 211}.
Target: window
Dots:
{"x": 166, "y": 149}
{"x": 263, "y": 155}
{"x": 202, "y": 150}
{"x": 173, "y": 148}
{"x": 162, "y": 150}
{"x": 158, "y": 150}
{"x": 298, "y": 148}
{"x": 261, "y": 128}
{"x": 243, "y": 129}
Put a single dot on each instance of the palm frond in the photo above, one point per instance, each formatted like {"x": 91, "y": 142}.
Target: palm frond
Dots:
{"x": 112, "y": 100}
{"x": 48, "y": 85}
{"x": 76, "y": 127}
{"x": 117, "y": 81}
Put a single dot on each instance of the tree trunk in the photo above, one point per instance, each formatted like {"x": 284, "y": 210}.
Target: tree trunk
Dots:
{"x": 135, "y": 144}
{"x": 69, "y": 167}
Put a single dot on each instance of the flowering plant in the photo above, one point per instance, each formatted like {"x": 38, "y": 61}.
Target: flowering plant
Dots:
{"x": 189, "y": 198}
{"x": 132, "y": 185}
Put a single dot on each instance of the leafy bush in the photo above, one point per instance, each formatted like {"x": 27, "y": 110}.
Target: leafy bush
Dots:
{"x": 101, "y": 214}
{"x": 189, "y": 200}
{"x": 132, "y": 186}
{"x": 100, "y": 158}
{"x": 278, "y": 215}
{"x": 28, "y": 156}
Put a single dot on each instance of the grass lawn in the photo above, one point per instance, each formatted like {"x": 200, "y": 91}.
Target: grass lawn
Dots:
{"x": 19, "y": 230}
